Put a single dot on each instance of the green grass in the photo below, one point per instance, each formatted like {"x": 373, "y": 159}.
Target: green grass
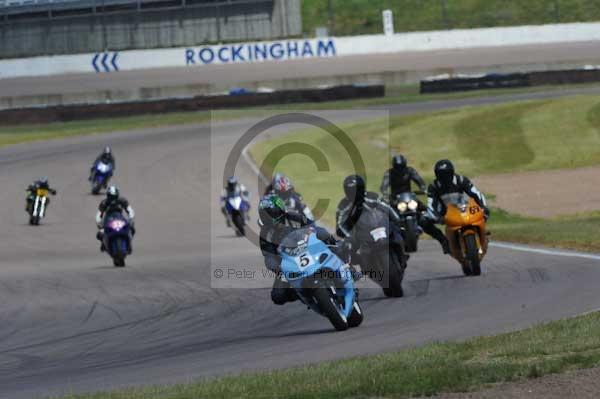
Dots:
{"x": 515, "y": 137}
{"x": 579, "y": 231}
{"x": 394, "y": 95}
{"x": 355, "y": 17}
{"x": 443, "y": 367}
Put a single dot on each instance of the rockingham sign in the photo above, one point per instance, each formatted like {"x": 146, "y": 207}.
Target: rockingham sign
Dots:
{"x": 262, "y": 51}
{"x": 283, "y": 50}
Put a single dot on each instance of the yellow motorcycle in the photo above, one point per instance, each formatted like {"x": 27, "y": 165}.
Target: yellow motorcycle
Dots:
{"x": 37, "y": 207}
{"x": 466, "y": 232}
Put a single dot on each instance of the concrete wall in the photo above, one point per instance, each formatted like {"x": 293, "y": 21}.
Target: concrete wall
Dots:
{"x": 150, "y": 29}
{"x": 297, "y": 49}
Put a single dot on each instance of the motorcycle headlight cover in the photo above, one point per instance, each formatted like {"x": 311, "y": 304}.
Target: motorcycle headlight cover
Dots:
{"x": 412, "y": 205}
{"x": 402, "y": 206}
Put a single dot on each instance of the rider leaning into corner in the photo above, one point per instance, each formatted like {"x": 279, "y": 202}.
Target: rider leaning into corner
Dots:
{"x": 233, "y": 187}
{"x": 276, "y": 223}
{"x": 113, "y": 203}
{"x": 447, "y": 183}
{"x": 356, "y": 200}
{"x": 282, "y": 186}
{"x": 31, "y": 192}
{"x": 107, "y": 157}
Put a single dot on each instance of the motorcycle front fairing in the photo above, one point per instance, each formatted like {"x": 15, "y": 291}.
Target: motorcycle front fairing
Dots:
{"x": 115, "y": 226}
{"x": 305, "y": 260}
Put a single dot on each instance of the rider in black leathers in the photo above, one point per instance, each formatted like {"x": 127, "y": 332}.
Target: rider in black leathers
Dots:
{"x": 282, "y": 186}
{"x": 31, "y": 192}
{"x": 350, "y": 208}
{"x": 399, "y": 177}
{"x": 113, "y": 203}
{"x": 447, "y": 183}
{"x": 276, "y": 223}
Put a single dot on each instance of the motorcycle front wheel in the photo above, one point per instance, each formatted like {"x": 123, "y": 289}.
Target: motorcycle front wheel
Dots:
{"x": 473, "y": 267}
{"x": 330, "y": 308}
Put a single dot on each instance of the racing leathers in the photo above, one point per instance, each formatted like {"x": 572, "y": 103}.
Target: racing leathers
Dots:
{"x": 438, "y": 196}
{"x": 400, "y": 182}
{"x": 108, "y": 207}
{"x": 348, "y": 213}
{"x": 293, "y": 201}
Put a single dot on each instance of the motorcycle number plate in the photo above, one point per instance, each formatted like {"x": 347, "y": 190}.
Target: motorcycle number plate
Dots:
{"x": 117, "y": 225}
{"x": 102, "y": 167}
{"x": 378, "y": 233}
{"x": 305, "y": 260}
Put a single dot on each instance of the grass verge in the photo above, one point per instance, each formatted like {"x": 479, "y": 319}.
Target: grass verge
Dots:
{"x": 394, "y": 95}
{"x": 506, "y": 138}
{"x": 445, "y": 367}
{"x": 356, "y": 17}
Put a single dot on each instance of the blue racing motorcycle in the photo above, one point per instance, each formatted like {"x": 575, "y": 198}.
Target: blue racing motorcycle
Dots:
{"x": 100, "y": 177}
{"x": 321, "y": 279}
{"x": 237, "y": 211}
{"x": 117, "y": 238}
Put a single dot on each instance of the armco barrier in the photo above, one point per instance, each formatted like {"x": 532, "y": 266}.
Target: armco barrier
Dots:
{"x": 498, "y": 81}
{"x": 64, "y": 113}
{"x": 494, "y": 81}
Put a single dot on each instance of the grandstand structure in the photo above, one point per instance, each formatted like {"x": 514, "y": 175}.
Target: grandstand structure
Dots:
{"x": 50, "y": 27}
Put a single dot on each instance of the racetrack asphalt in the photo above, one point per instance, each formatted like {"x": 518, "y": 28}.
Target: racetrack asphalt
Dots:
{"x": 70, "y": 322}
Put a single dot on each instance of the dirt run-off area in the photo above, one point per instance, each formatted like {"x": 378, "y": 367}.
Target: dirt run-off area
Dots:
{"x": 545, "y": 194}
{"x": 582, "y": 384}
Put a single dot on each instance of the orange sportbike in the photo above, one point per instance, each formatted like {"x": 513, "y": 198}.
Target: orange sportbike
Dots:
{"x": 465, "y": 229}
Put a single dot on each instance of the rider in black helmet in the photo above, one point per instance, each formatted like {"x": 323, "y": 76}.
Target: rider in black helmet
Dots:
{"x": 233, "y": 187}
{"x": 113, "y": 203}
{"x": 277, "y": 222}
{"x": 398, "y": 178}
{"x": 355, "y": 199}
{"x": 107, "y": 157}
{"x": 446, "y": 183}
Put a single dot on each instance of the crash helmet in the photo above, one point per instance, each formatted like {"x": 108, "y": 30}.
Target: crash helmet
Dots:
{"x": 271, "y": 210}
{"x": 444, "y": 172}
{"x": 107, "y": 150}
{"x": 112, "y": 193}
{"x": 43, "y": 181}
{"x": 399, "y": 163}
{"x": 282, "y": 185}
{"x": 354, "y": 188}
{"x": 232, "y": 183}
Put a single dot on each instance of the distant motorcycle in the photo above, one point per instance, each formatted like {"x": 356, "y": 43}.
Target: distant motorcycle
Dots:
{"x": 466, "y": 232}
{"x": 236, "y": 211}
{"x": 100, "y": 177}
{"x": 407, "y": 205}
{"x": 381, "y": 252}
{"x": 117, "y": 238}
{"x": 37, "y": 208}
{"x": 321, "y": 279}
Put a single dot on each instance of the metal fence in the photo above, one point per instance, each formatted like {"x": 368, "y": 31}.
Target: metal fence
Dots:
{"x": 82, "y": 26}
